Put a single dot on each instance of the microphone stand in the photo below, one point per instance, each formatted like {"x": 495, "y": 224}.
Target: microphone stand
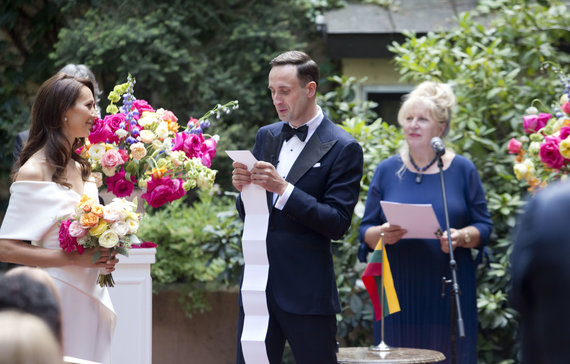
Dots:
{"x": 455, "y": 305}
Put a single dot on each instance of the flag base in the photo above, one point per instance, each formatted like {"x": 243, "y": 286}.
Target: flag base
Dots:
{"x": 380, "y": 347}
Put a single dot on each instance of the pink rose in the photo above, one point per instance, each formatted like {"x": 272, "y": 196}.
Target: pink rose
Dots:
{"x": 67, "y": 242}
{"x": 514, "y": 146}
{"x": 101, "y": 133}
{"x": 191, "y": 144}
{"x": 142, "y": 106}
{"x": 111, "y": 159}
{"x": 169, "y": 116}
{"x": 566, "y": 107}
{"x": 564, "y": 132}
{"x": 76, "y": 230}
{"x": 160, "y": 191}
{"x": 533, "y": 123}
{"x": 208, "y": 152}
{"x": 114, "y": 121}
{"x": 550, "y": 153}
{"x": 118, "y": 184}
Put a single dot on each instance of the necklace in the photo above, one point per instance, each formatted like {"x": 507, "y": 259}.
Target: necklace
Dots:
{"x": 421, "y": 170}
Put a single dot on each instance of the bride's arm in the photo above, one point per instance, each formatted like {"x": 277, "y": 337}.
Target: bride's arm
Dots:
{"x": 18, "y": 252}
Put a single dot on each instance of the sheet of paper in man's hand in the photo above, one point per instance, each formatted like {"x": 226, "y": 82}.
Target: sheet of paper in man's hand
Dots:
{"x": 418, "y": 219}
{"x": 242, "y": 156}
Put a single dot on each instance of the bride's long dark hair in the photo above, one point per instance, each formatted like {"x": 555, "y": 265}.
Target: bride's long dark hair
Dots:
{"x": 55, "y": 96}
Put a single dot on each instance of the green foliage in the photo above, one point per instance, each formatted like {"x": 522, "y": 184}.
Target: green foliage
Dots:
{"x": 495, "y": 71}
{"x": 199, "y": 246}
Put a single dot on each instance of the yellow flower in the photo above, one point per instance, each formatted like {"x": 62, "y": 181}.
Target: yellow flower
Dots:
{"x": 157, "y": 173}
{"x": 565, "y": 148}
{"x": 97, "y": 210}
{"x": 108, "y": 239}
{"x": 99, "y": 229}
{"x": 524, "y": 170}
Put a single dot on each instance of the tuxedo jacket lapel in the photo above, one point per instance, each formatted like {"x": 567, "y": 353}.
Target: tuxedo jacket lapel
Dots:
{"x": 311, "y": 154}
{"x": 273, "y": 146}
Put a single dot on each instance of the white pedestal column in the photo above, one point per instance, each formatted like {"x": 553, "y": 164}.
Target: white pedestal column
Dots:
{"x": 132, "y": 299}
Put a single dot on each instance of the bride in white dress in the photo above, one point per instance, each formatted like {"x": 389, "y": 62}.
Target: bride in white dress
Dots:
{"x": 49, "y": 180}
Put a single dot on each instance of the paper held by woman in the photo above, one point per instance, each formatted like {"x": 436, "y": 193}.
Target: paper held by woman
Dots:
{"x": 418, "y": 219}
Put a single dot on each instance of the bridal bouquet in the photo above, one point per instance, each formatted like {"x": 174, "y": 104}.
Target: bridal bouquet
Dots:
{"x": 92, "y": 225}
{"x": 543, "y": 153}
{"x": 139, "y": 147}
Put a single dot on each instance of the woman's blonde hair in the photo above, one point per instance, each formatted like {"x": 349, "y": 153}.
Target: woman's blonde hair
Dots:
{"x": 26, "y": 339}
{"x": 437, "y": 97}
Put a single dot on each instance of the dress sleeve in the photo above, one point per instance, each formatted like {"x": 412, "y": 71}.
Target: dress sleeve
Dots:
{"x": 480, "y": 217}
{"x": 373, "y": 215}
{"x": 33, "y": 209}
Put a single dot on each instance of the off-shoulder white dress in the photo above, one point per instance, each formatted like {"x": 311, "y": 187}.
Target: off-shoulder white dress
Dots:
{"x": 88, "y": 317}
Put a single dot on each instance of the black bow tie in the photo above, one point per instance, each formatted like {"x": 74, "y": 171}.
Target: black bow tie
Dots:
{"x": 288, "y": 132}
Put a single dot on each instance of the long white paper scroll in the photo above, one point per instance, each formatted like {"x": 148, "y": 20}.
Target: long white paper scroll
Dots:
{"x": 256, "y": 268}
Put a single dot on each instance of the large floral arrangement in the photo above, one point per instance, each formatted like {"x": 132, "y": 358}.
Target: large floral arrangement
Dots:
{"x": 93, "y": 225}
{"x": 543, "y": 153}
{"x": 139, "y": 147}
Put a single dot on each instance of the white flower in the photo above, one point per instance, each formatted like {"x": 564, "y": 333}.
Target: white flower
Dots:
{"x": 121, "y": 133}
{"x": 147, "y": 136}
{"x": 111, "y": 213}
{"x": 121, "y": 228}
{"x": 162, "y": 131}
{"x": 109, "y": 239}
{"x": 133, "y": 225}
{"x": 147, "y": 119}
{"x": 96, "y": 151}
{"x": 98, "y": 176}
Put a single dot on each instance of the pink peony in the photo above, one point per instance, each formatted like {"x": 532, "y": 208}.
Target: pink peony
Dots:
{"x": 160, "y": 191}
{"x": 208, "y": 152}
{"x": 191, "y": 144}
{"x": 111, "y": 159}
{"x": 118, "y": 184}
{"x": 67, "y": 242}
{"x": 101, "y": 133}
{"x": 142, "y": 106}
{"x": 533, "y": 123}
{"x": 550, "y": 153}
{"x": 566, "y": 107}
{"x": 514, "y": 146}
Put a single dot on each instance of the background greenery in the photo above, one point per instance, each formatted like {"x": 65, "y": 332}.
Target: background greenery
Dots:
{"x": 187, "y": 58}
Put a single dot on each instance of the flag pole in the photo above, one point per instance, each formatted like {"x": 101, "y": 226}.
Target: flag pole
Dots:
{"x": 382, "y": 346}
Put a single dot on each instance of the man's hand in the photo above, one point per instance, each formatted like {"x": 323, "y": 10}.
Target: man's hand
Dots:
{"x": 240, "y": 175}
{"x": 265, "y": 175}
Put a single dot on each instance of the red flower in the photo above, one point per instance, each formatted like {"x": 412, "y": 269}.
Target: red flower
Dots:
{"x": 160, "y": 191}
{"x": 67, "y": 242}
{"x": 118, "y": 184}
{"x": 191, "y": 144}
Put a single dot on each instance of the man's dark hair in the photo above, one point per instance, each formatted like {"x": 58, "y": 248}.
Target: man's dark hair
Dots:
{"x": 23, "y": 293}
{"x": 307, "y": 69}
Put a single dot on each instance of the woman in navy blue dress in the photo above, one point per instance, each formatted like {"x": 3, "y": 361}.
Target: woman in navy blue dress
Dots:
{"x": 418, "y": 265}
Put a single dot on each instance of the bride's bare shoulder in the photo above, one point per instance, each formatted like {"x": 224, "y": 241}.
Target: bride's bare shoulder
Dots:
{"x": 35, "y": 169}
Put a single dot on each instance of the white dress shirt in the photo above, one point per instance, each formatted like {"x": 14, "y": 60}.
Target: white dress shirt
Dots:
{"x": 290, "y": 151}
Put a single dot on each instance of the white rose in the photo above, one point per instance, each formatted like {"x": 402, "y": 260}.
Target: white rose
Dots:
{"x": 109, "y": 239}
{"x": 121, "y": 228}
{"x": 96, "y": 151}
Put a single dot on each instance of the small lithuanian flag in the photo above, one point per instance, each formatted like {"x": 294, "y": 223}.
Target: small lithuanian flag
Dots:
{"x": 376, "y": 272}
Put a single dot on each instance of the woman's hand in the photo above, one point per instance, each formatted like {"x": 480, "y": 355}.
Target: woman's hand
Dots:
{"x": 392, "y": 234}
{"x": 106, "y": 260}
{"x": 456, "y": 239}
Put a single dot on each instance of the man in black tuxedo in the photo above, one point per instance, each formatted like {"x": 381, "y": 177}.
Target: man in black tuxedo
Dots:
{"x": 541, "y": 277}
{"x": 311, "y": 169}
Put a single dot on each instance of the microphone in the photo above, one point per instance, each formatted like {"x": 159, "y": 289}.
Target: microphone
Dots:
{"x": 437, "y": 145}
